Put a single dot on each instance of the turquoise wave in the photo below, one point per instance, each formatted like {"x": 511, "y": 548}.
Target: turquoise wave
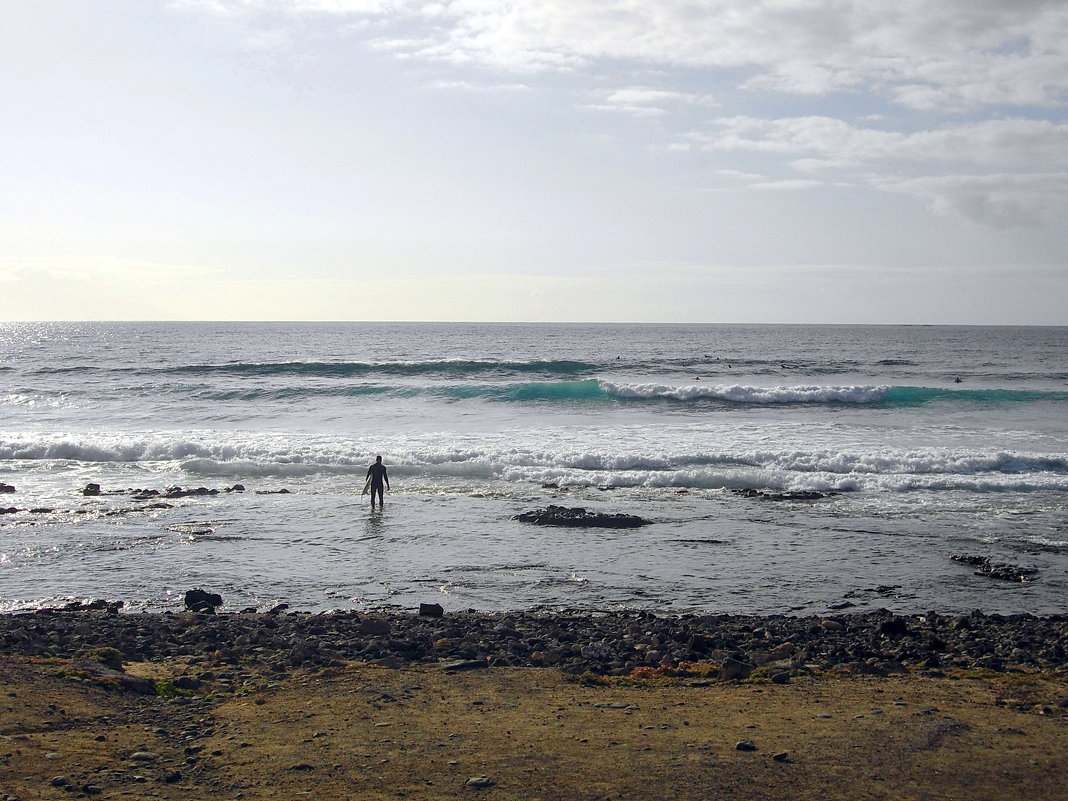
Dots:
{"x": 587, "y": 391}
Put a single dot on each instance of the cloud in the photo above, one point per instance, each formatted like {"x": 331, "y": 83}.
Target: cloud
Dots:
{"x": 833, "y": 142}
{"x": 642, "y": 101}
{"x": 953, "y": 53}
{"x": 998, "y": 201}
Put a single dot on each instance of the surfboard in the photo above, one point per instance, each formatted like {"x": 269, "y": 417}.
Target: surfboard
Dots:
{"x": 366, "y": 486}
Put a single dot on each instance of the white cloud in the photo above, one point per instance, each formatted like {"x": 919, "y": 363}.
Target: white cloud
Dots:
{"x": 642, "y": 101}
{"x": 953, "y": 53}
{"x": 832, "y": 142}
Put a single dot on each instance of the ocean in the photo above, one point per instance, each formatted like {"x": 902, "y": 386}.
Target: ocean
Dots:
{"x": 922, "y": 443}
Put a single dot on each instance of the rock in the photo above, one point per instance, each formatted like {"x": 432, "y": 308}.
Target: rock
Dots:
{"x": 734, "y": 669}
{"x": 464, "y": 664}
{"x": 91, "y": 789}
{"x": 375, "y": 626}
{"x": 996, "y": 570}
{"x": 172, "y": 777}
{"x": 59, "y": 781}
{"x": 9, "y": 510}
{"x": 800, "y": 495}
{"x": 782, "y": 756}
{"x": 107, "y": 676}
{"x": 201, "y": 601}
{"x": 894, "y": 627}
{"x": 431, "y": 610}
{"x": 91, "y": 490}
{"x": 746, "y": 745}
{"x": 6, "y": 488}
{"x": 144, "y": 756}
{"x": 479, "y": 781}
{"x": 577, "y": 517}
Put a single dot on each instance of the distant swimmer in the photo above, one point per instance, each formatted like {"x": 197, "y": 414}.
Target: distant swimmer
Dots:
{"x": 376, "y": 475}
{"x": 957, "y": 380}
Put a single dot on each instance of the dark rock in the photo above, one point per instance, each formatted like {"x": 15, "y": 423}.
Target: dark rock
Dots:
{"x": 9, "y": 510}
{"x": 577, "y": 517}
{"x": 91, "y": 490}
{"x": 201, "y": 601}
{"x": 996, "y": 570}
{"x": 6, "y": 488}
{"x": 375, "y": 626}
{"x": 894, "y": 627}
{"x": 800, "y": 495}
{"x": 746, "y": 745}
{"x": 431, "y": 610}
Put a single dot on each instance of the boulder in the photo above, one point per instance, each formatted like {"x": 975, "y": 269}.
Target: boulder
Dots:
{"x": 5, "y": 488}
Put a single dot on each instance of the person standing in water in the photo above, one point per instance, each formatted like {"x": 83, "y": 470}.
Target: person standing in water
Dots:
{"x": 376, "y": 475}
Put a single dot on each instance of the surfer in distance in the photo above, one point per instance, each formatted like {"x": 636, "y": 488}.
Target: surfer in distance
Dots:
{"x": 376, "y": 476}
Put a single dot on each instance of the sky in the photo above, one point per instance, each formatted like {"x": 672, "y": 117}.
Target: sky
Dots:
{"x": 779, "y": 161}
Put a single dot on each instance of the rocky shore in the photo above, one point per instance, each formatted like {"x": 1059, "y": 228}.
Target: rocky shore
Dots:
{"x": 776, "y": 647}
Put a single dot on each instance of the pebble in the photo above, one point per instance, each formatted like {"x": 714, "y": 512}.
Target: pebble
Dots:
{"x": 573, "y": 642}
{"x": 746, "y": 745}
{"x": 479, "y": 781}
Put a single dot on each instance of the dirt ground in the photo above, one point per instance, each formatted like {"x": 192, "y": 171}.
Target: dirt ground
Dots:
{"x": 363, "y": 732}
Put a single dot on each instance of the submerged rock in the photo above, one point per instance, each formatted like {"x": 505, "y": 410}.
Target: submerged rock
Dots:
{"x": 996, "y": 570}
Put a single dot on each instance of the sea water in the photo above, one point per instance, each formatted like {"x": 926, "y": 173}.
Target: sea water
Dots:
{"x": 926, "y": 442}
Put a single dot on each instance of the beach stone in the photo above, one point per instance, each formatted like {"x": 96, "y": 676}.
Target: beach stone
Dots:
{"x": 431, "y": 610}
{"x": 479, "y": 781}
{"x": 746, "y": 745}
{"x": 59, "y": 781}
{"x": 374, "y": 626}
{"x": 91, "y": 490}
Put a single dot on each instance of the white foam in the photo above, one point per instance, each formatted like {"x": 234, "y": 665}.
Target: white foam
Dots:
{"x": 738, "y": 393}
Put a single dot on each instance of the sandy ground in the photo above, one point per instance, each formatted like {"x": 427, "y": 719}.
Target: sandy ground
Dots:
{"x": 365, "y": 732}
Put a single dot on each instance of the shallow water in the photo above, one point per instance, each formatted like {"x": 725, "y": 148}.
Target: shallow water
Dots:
{"x": 478, "y": 423}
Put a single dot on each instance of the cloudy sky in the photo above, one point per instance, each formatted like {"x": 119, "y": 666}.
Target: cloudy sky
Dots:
{"x": 888, "y": 161}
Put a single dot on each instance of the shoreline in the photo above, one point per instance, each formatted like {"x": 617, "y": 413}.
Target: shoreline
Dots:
{"x": 778, "y": 647}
